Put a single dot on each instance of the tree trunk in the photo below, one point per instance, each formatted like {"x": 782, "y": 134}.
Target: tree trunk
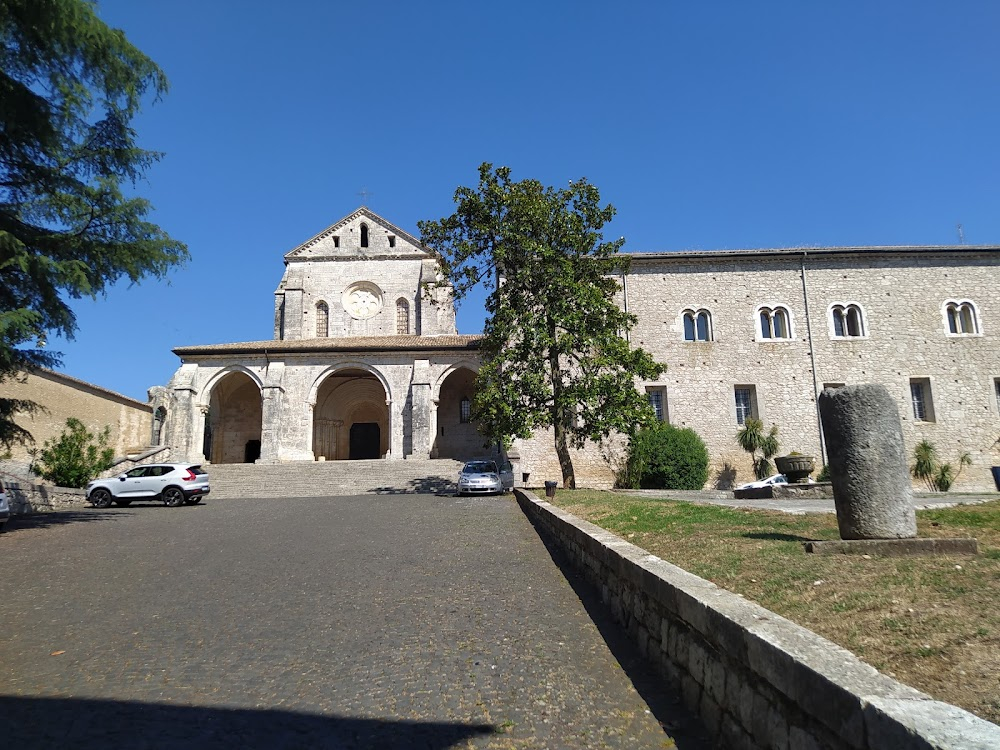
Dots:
{"x": 558, "y": 414}
{"x": 565, "y": 460}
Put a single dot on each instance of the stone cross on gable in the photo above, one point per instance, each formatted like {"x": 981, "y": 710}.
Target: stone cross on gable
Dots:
{"x": 365, "y": 195}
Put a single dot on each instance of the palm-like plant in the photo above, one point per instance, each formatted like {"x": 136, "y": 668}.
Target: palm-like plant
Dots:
{"x": 937, "y": 476}
{"x": 752, "y": 439}
{"x": 925, "y": 463}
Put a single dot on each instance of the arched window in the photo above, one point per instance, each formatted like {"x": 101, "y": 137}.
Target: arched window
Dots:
{"x": 697, "y": 325}
{"x": 159, "y": 417}
{"x": 847, "y": 321}
{"x": 775, "y": 323}
{"x": 961, "y": 317}
{"x": 322, "y": 320}
{"x": 364, "y": 235}
{"x": 402, "y": 316}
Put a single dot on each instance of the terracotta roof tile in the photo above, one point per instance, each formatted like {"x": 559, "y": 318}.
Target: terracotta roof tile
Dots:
{"x": 342, "y": 344}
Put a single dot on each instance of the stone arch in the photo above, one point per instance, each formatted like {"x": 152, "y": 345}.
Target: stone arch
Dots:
{"x": 454, "y": 435}
{"x": 233, "y": 417}
{"x": 351, "y": 416}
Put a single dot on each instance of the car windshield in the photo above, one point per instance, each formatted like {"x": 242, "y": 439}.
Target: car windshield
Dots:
{"x": 479, "y": 467}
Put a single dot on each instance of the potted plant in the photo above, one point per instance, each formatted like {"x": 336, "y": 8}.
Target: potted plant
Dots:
{"x": 795, "y": 467}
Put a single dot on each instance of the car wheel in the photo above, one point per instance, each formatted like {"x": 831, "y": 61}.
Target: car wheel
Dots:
{"x": 173, "y": 497}
{"x": 100, "y": 498}
{"x": 123, "y": 503}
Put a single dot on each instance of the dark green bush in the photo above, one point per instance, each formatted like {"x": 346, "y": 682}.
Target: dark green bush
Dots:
{"x": 667, "y": 457}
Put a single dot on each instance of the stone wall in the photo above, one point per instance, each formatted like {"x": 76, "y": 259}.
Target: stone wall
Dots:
{"x": 131, "y": 421}
{"x": 756, "y": 679}
{"x": 26, "y": 498}
{"x": 902, "y": 297}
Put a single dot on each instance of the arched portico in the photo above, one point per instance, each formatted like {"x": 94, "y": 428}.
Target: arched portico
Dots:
{"x": 455, "y": 432}
{"x": 233, "y": 418}
{"x": 351, "y": 416}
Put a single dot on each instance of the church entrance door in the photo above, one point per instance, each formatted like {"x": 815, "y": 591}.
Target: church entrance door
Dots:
{"x": 365, "y": 440}
{"x": 351, "y": 416}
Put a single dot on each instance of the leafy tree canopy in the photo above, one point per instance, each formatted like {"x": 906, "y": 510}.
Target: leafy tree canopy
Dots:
{"x": 69, "y": 224}
{"x": 554, "y": 349}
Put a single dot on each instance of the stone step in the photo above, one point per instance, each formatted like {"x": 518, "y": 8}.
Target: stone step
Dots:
{"x": 332, "y": 478}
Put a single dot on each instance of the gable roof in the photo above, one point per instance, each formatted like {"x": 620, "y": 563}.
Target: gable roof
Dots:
{"x": 298, "y": 252}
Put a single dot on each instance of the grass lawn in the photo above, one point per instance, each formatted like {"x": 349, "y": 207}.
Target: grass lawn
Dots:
{"x": 931, "y": 622}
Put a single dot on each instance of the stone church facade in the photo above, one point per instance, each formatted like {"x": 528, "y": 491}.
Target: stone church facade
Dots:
{"x": 364, "y": 364}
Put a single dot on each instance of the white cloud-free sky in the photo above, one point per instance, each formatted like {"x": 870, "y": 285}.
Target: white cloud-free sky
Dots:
{"x": 708, "y": 125}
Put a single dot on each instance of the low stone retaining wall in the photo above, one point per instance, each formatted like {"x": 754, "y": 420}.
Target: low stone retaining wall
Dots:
{"x": 25, "y": 498}
{"x": 756, "y": 679}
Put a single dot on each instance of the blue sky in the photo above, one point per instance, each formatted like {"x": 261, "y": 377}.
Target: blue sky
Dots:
{"x": 708, "y": 125}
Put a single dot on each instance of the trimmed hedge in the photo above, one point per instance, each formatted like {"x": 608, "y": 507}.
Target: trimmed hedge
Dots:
{"x": 667, "y": 457}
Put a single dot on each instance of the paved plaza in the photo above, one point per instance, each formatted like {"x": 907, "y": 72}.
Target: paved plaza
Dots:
{"x": 360, "y": 622}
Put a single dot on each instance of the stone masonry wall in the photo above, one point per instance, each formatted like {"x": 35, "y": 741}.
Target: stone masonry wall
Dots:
{"x": 902, "y": 298}
{"x": 756, "y": 679}
{"x": 26, "y": 498}
{"x": 131, "y": 422}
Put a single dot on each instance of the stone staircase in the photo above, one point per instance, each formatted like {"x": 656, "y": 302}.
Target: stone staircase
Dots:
{"x": 332, "y": 478}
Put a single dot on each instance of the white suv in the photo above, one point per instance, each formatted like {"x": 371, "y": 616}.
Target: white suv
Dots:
{"x": 174, "y": 484}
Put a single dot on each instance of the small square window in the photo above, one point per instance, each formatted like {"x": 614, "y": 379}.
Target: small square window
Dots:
{"x": 657, "y": 398}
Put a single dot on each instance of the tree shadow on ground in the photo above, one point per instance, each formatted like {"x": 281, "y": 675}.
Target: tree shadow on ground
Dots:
{"x": 683, "y": 727}
{"x": 771, "y": 536}
{"x": 424, "y": 486}
{"x": 55, "y": 518}
{"x": 90, "y": 724}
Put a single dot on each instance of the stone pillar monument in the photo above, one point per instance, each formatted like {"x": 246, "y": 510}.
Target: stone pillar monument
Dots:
{"x": 867, "y": 460}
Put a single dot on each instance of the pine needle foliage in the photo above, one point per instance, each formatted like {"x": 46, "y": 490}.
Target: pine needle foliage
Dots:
{"x": 70, "y": 224}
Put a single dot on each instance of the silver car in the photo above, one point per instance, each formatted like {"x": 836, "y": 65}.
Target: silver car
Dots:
{"x": 482, "y": 477}
{"x": 4, "y": 506}
{"x": 174, "y": 484}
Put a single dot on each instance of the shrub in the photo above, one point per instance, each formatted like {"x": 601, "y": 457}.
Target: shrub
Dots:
{"x": 937, "y": 476}
{"x": 75, "y": 457}
{"x": 666, "y": 457}
{"x": 751, "y": 438}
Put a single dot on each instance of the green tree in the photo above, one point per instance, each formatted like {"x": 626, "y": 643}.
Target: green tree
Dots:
{"x": 75, "y": 457}
{"x": 752, "y": 438}
{"x": 554, "y": 349}
{"x": 666, "y": 457}
{"x": 69, "y": 223}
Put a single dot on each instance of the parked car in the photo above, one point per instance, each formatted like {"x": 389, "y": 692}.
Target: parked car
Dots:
{"x": 174, "y": 484}
{"x": 773, "y": 479}
{"x": 482, "y": 477}
{"x": 4, "y": 507}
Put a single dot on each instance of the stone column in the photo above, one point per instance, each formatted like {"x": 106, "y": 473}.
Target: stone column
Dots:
{"x": 867, "y": 459}
{"x": 420, "y": 409}
{"x": 271, "y": 414}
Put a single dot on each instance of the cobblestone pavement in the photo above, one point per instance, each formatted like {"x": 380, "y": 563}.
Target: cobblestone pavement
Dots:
{"x": 368, "y": 622}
